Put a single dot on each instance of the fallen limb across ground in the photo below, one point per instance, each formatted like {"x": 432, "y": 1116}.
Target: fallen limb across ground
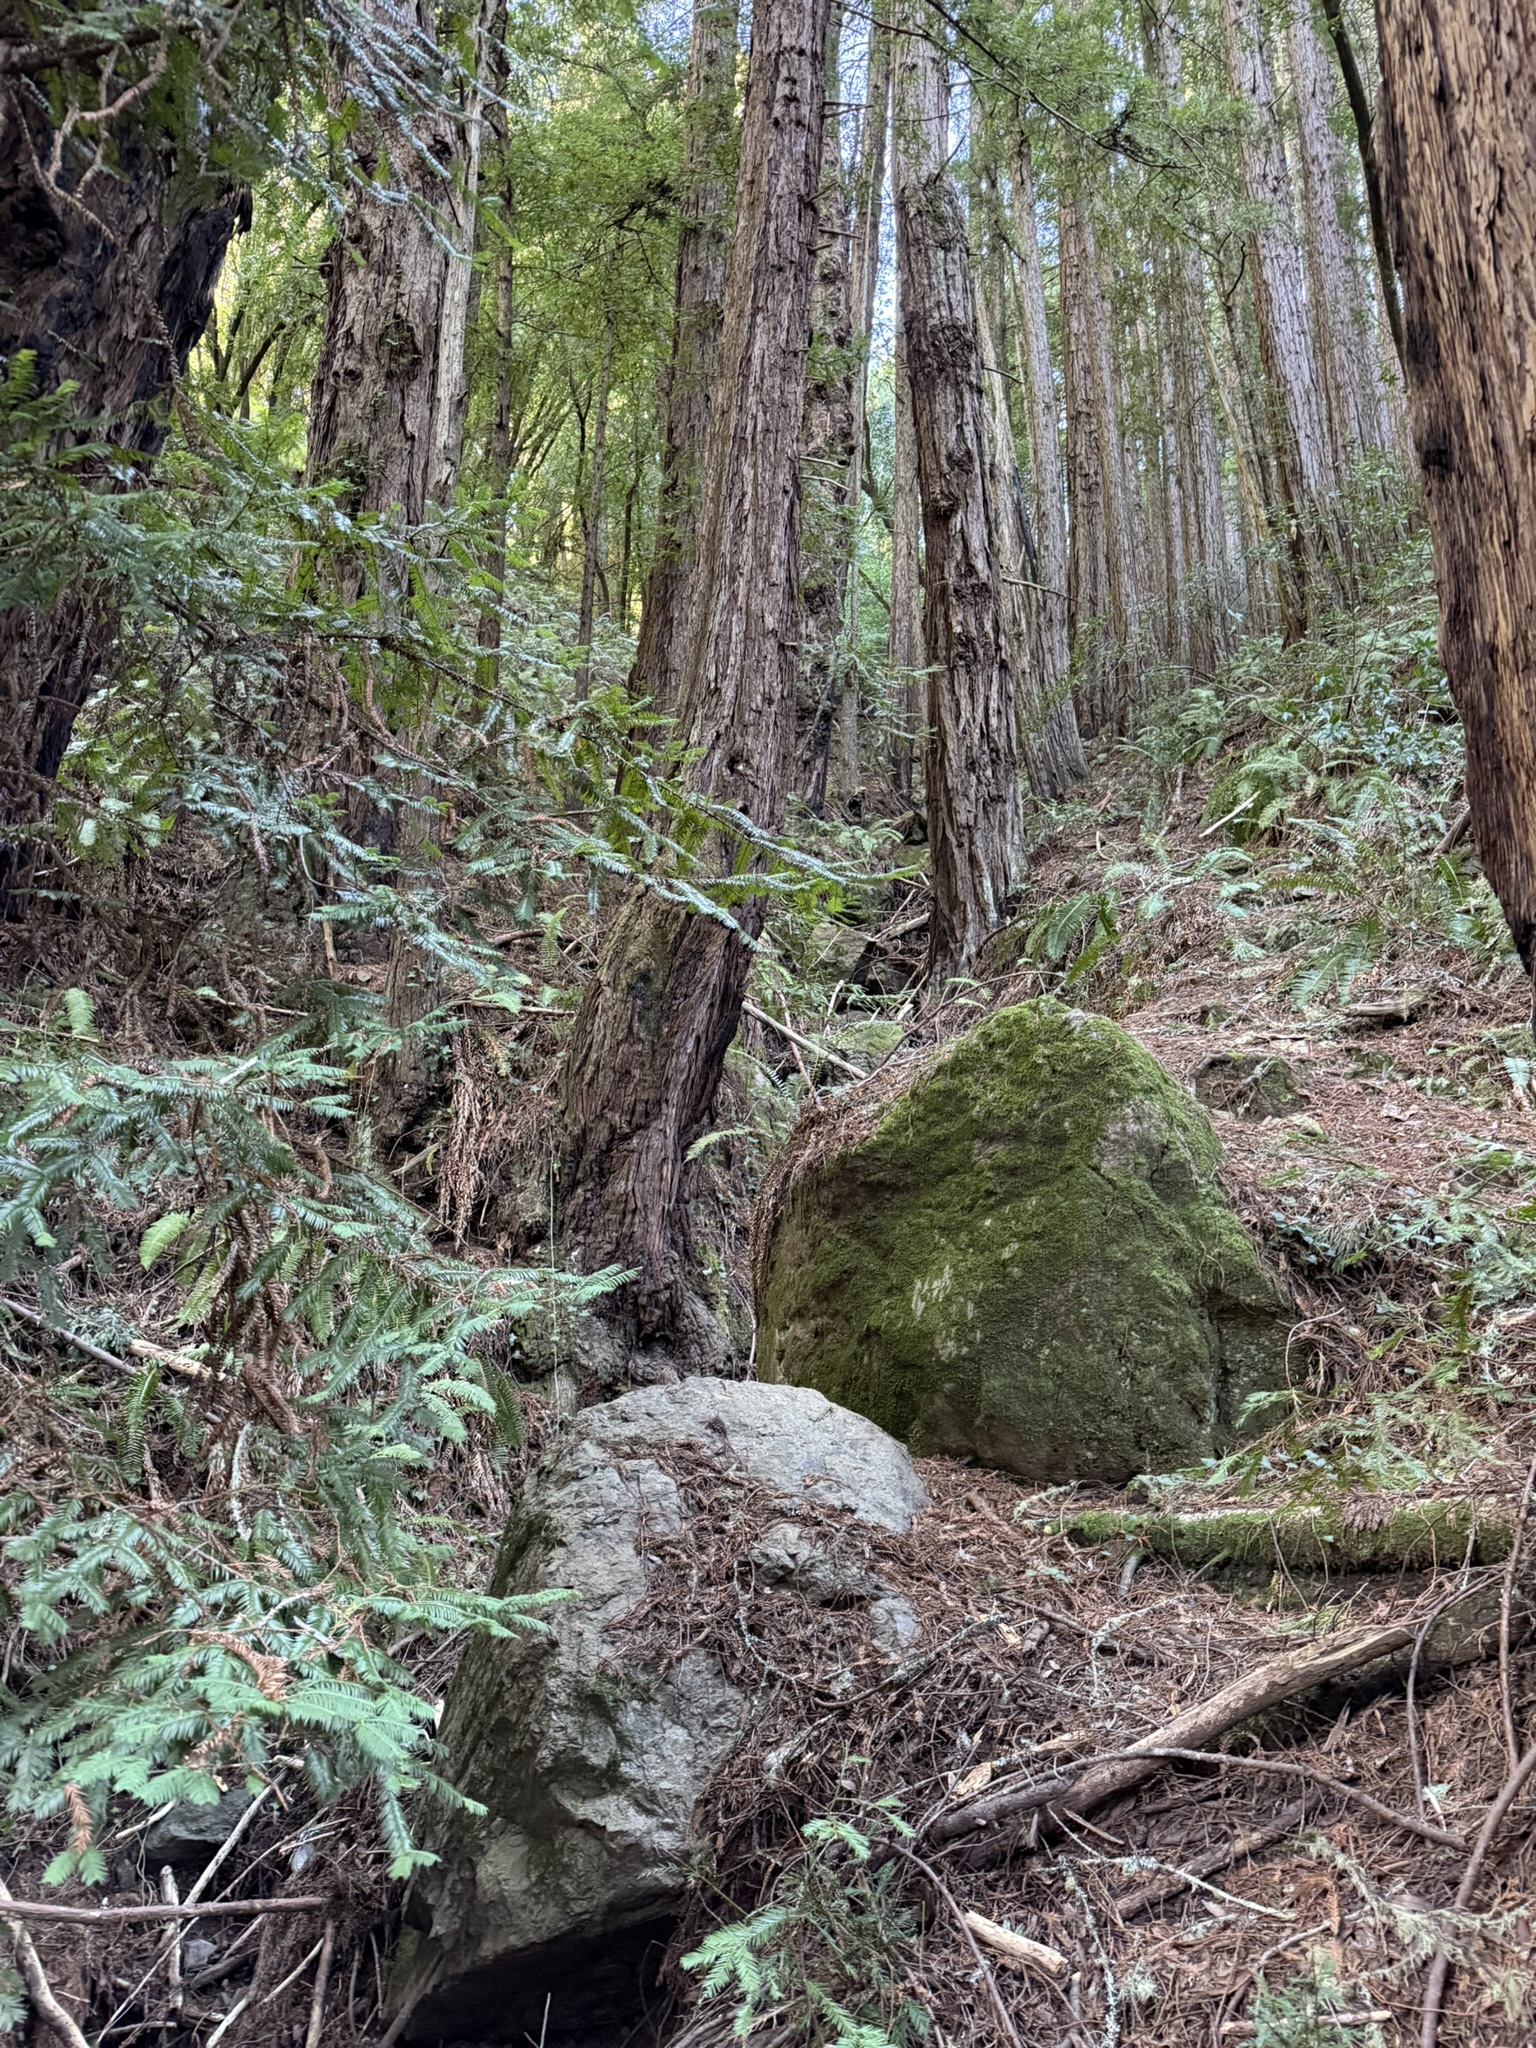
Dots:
{"x": 1197, "y": 1728}
{"x": 101, "y": 1916}
{"x": 1211, "y": 1862}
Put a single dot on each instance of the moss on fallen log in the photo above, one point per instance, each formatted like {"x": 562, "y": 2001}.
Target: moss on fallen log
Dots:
{"x": 1375, "y": 1535}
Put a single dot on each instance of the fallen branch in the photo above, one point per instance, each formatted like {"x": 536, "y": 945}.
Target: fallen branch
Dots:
{"x": 1017, "y": 1948}
{"x": 833, "y": 1059}
{"x": 962, "y": 1920}
{"x": 140, "y": 1348}
{"x": 1211, "y": 1862}
{"x": 39, "y": 1990}
{"x": 1196, "y": 1728}
{"x": 1440, "y": 1968}
{"x": 1411, "y": 1824}
{"x": 105, "y": 1916}
{"x": 1412, "y": 1535}
{"x": 1372, "y": 2016}
{"x": 322, "y": 1979}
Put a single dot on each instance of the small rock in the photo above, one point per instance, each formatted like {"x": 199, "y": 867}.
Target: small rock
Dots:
{"x": 197, "y": 1954}
{"x": 894, "y": 1626}
{"x": 189, "y": 1835}
{"x": 1251, "y": 1085}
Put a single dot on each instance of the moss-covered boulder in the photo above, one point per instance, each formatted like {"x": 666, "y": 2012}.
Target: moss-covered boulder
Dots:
{"x": 1026, "y": 1259}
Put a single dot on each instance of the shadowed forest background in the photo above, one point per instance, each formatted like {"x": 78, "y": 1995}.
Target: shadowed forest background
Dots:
{"x": 598, "y": 604}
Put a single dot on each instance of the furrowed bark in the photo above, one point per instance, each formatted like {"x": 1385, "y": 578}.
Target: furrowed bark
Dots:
{"x": 869, "y": 202}
{"x": 1370, "y": 169}
{"x": 1203, "y": 599}
{"x": 592, "y": 513}
{"x": 1458, "y": 147}
{"x": 661, "y": 1007}
{"x": 829, "y": 448}
{"x": 387, "y": 393}
{"x": 1341, "y": 324}
{"x": 907, "y": 655}
{"x": 1103, "y": 595}
{"x": 1062, "y": 741}
{"x": 974, "y": 784}
{"x": 1297, "y": 425}
{"x": 107, "y": 279}
{"x": 703, "y": 235}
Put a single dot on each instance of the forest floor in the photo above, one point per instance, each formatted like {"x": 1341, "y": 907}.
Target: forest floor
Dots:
{"x": 1268, "y": 889}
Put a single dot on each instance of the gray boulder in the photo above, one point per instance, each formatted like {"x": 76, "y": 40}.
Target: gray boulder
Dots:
{"x": 590, "y": 1755}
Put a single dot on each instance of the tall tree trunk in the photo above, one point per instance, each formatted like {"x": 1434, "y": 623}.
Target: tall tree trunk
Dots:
{"x": 1356, "y": 92}
{"x": 1204, "y": 597}
{"x": 907, "y": 654}
{"x": 661, "y": 1008}
{"x": 703, "y": 233}
{"x": 107, "y": 278}
{"x": 497, "y": 461}
{"x": 1103, "y": 587}
{"x": 828, "y": 450}
{"x": 973, "y": 777}
{"x": 592, "y": 514}
{"x": 1458, "y": 140}
{"x": 386, "y": 406}
{"x": 1298, "y": 427}
{"x": 1049, "y": 744}
{"x": 387, "y": 401}
{"x": 498, "y": 457}
{"x": 1052, "y": 637}
{"x": 1341, "y": 322}
{"x": 869, "y": 205}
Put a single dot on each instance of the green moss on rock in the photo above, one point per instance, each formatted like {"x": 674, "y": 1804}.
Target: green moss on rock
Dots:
{"x": 1028, "y": 1261}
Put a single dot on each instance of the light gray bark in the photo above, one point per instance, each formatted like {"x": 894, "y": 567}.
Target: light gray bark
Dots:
{"x": 1297, "y": 423}
{"x": 1048, "y": 499}
{"x": 1347, "y": 355}
{"x": 1103, "y": 583}
{"x": 974, "y": 782}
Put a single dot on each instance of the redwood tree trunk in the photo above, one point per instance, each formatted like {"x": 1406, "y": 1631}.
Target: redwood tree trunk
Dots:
{"x": 1049, "y": 494}
{"x": 661, "y": 1008}
{"x": 1103, "y": 588}
{"x": 974, "y": 783}
{"x": 1458, "y": 142}
{"x": 828, "y": 450}
{"x": 387, "y": 395}
{"x": 1298, "y": 427}
{"x": 1341, "y": 324}
{"x": 703, "y": 234}
{"x": 109, "y": 285}
{"x": 906, "y": 652}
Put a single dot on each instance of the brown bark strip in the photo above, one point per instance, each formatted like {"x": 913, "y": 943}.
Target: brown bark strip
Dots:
{"x": 703, "y": 233}
{"x": 1458, "y": 148}
{"x": 662, "y": 1006}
